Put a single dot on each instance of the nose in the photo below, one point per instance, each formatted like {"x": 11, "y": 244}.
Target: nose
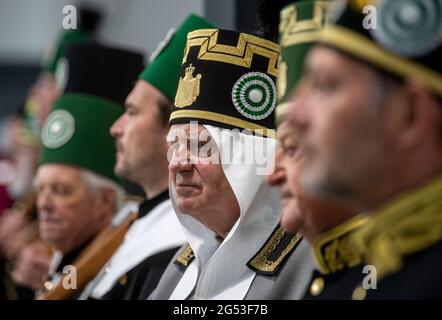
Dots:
{"x": 278, "y": 176}
{"x": 44, "y": 200}
{"x": 180, "y": 160}
{"x": 117, "y": 127}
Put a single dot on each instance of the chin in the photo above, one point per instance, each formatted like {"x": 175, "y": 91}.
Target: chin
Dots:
{"x": 185, "y": 206}
{"x": 119, "y": 170}
{"x": 51, "y": 235}
{"x": 51, "y": 239}
{"x": 291, "y": 220}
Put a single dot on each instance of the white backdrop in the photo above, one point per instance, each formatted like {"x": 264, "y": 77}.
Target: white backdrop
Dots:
{"x": 28, "y": 26}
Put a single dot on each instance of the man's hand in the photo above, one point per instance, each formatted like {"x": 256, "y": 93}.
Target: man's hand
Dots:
{"x": 32, "y": 265}
{"x": 14, "y": 233}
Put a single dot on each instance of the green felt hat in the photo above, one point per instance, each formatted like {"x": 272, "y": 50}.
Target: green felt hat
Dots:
{"x": 299, "y": 28}
{"x": 403, "y": 38}
{"x": 88, "y": 22}
{"x": 163, "y": 72}
{"x": 77, "y": 133}
{"x": 66, "y": 39}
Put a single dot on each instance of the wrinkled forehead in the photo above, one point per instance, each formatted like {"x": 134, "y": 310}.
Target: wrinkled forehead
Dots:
{"x": 235, "y": 149}
{"x": 324, "y": 60}
{"x": 287, "y": 131}
{"x": 188, "y": 131}
{"x": 54, "y": 172}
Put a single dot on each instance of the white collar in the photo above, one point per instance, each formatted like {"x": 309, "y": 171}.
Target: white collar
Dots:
{"x": 156, "y": 232}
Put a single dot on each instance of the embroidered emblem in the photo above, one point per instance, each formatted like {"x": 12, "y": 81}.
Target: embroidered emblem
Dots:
{"x": 275, "y": 252}
{"x": 186, "y": 257}
{"x": 188, "y": 88}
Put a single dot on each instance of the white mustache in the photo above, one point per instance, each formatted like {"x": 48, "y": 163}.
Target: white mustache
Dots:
{"x": 179, "y": 178}
{"x": 45, "y": 215}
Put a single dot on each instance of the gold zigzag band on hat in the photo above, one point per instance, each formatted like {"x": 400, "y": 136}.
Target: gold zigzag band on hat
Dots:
{"x": 241, "y": 55}
{"x": 358, "y": 45}
{"x": 232, "y": 121}
{"x": 294, "y": 31}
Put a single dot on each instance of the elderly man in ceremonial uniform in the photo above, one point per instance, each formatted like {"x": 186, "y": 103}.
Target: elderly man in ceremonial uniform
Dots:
{"x": 222, "y": 145}
{"x": 78, "y": 193}
{"x": 369, "y": 113}
{"x": 302, "y": 214}
{"x": 19, "y": 227}
{"x": 299, "y": 29}
{"x": 140, "y": 133}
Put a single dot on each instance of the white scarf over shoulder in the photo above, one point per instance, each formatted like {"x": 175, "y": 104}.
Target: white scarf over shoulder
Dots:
{"x": 219, "y": 271}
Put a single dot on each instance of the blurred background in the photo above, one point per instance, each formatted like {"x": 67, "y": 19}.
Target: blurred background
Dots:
{"x": 30, "y": 46}
{"x": 28, "y": 28}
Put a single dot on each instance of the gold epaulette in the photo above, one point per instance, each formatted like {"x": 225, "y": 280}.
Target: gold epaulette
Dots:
{"x": 275, "y": 252}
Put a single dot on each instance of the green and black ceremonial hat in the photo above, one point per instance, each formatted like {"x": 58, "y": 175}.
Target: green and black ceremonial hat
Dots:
{"x": 97, "y": 80}
{"x": 300, "y": 23}
{"x": 403, "y": 38}
{"x": 228, "y": 80}
{"x": 163, "y": 71}
{"x": 88, "y": 21}
{"x": 98, "y": 70}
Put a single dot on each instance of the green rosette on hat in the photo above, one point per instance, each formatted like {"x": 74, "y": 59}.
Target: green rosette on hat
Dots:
{"x": 95, "y": 79}
{"x": 299, "y": 28}
{"x": 164, "y": 68}
{"x": 403, "y": 38}
{"x": 77, "y": 133}
{"x": 228, "y": 80}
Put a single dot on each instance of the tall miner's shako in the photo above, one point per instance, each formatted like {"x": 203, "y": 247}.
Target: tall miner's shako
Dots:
{"x": 228, "y": 80}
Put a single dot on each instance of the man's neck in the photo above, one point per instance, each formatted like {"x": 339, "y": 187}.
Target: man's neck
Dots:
{"x": 405, "y": 180}
{"x": 154, "y": 188}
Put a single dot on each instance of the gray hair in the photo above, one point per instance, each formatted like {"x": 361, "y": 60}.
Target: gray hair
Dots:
{"x": 97, "y": 183}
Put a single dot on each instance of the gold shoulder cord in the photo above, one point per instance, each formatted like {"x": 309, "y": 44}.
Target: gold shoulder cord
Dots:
{"x": 410, "y": 224}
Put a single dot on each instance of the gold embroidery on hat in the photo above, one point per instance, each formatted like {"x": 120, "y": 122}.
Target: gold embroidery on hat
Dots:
{"x": 242, "y": 54}
{"x": 294, "y": 31}
{"x": 361, "y": 47}
{"x": 281, "y": 81}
